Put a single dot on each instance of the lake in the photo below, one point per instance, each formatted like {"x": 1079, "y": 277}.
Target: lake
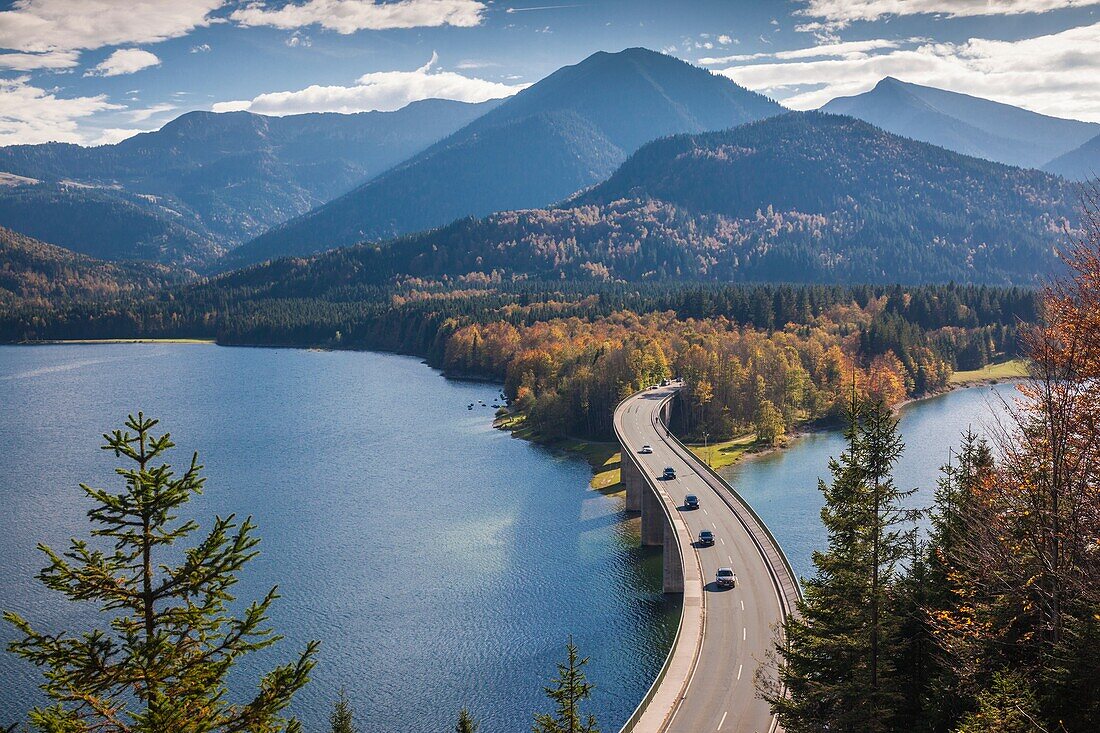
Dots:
{"x": 782, "y": 486}
{"x": 440, "y": 562}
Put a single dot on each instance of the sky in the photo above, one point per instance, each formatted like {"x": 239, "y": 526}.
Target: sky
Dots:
{"x": 94, "y": 72}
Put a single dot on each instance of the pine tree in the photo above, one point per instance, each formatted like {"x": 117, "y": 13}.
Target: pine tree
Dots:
{"x": 569, "y": 689}
{"x": 466, "y": 722}
{"x": 832, "y": 663}
{"x": 342, "y": 718}
{"x": 161, "y": 665}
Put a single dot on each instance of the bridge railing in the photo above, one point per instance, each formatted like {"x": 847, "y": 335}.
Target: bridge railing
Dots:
{"x": 678, "y": 638}
{"x": 747, "y": 507}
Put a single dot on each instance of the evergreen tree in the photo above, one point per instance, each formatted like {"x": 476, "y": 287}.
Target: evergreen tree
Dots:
{"x": 342, "y": 717}
{"x": 161, "y": 665}
{"x": 568, "y": 690}
{"x": 833, "y": 669}
{"x": 466, "y": 722}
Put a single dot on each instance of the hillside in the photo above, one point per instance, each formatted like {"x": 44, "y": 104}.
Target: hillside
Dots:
{"x": 804, "y": 197}
{"x": 108, "y": 224}
{"x": 1079, "y": 164}
{"x": 34, "y": 273}
{"x": 224, "y": 177}
{"x": 564, "y": 133}
{"x": 965, "y": 124}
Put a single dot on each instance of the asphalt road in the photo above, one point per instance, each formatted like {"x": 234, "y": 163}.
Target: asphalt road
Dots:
{"x": 738, "y": 622}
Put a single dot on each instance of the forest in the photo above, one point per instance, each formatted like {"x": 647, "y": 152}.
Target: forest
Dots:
{"x": 990, "y": 621}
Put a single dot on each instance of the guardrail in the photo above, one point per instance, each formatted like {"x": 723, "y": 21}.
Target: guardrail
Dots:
{"x": 642, "y": 707}
{"x": 748, "y": 507}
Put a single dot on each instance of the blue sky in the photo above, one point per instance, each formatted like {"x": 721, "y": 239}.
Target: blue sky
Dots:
{"x": 95, "y": 71}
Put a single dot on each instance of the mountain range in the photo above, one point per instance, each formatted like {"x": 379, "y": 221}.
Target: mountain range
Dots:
{"x": 206, "y": 181}
{"x": 806, "y": 197}
{"x": 966, "y": 124}
{"x": 564, "y": 133}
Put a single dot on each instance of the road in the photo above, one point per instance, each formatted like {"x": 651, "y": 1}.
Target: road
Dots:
{"x": 737, "y": 624}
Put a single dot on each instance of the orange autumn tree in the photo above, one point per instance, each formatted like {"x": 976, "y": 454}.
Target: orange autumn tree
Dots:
{"x": 1024, "y": 567}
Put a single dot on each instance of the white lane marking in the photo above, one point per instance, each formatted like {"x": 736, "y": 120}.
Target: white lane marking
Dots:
{"x": 744, "y": 634}
{"x": 723, "y": 720}
{"x": 706, "y": 512}
{"x": 731, "y": 559}
{"x": 742, "y": 605}
{"x": 739, "y": 667}
{"x": 724, "y": 542}
{"x": 714, "y": 525}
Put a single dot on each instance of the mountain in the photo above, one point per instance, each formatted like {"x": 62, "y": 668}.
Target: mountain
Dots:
{"x": 965, "y": 124}
{"x": 1079, "y": 164}
{"x": 565, "y": 133}
{"x": 803, "y": 197}
{"x": 40, "y": 275}
{"x": 224, "y": 177}
{"x": 108, "y": 224}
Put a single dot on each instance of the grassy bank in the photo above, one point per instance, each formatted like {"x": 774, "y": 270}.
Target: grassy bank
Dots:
{"x": 1012, "y": 369}
{"x": 125, "y": 341}
{"x": 724, "y": 453}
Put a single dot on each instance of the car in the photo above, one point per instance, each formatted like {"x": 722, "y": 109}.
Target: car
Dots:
{"x": 669, "y": 474}
{"x": 725, "y": 578}
{"x": 646, "y": 449}
{"x": 664, "y": 383}
{"x": 652, "y": 386}
{"x": 706, "y": 538}
{"x": 691, "y": 501}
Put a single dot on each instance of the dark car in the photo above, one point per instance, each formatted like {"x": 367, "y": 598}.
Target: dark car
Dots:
{"x": 669, "y": 474}
{"x": 706, "y": 538}
{"x": 691, "y": 501}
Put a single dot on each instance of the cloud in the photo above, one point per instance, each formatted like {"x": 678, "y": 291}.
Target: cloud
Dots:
{"x": 846, "y": 11}
{"x": 113, "y": 135}
{"x": 140, "y": 115}
{"x": 847, "y": 49}
{"x": 31, "y": 115}
{"x": 124, "y": 61}
{"x": 201, "y": 48}
{"x": 47, "y": 60}
{"x": 349, "y": 16}
{"x": 380, "y": 90}
{"x": 1054, "y": 74}
{"x": 49, "y": 25}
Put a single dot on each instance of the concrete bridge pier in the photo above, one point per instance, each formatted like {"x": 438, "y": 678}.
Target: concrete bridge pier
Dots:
{"x": 653, "y": 520}
{"x": 633, "y": 480}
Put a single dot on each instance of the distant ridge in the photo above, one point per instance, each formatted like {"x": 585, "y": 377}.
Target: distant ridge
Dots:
{"x": 564, "y": 133}
{"x": 207, "y": 181}
{"x": 802, "y": 197}
{"x": 1079, "y": 164}
{"x": 965, "y": 124}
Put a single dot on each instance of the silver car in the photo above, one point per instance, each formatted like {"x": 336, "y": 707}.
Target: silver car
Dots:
{"x": 726, "y": 578}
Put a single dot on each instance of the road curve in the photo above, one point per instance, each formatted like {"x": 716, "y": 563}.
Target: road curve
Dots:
{"x": 707, "y": 683}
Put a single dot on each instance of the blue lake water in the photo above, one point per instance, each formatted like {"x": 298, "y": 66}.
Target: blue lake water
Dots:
{"x": 440, "y": 562}
{"x": 783, "y": 486}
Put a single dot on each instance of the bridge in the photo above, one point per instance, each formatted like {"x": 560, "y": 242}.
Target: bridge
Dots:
{"x": 706, "y": 683}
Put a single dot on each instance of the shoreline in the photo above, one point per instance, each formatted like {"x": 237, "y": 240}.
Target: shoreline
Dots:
{"x": 85, "y": 342}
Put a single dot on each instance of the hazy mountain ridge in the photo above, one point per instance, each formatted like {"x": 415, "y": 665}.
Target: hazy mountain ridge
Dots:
{"x": 1079, "y": 164}
{"x": 562, "y": 134}
{"x": 226, "y": 176}
{"x": 965, "y": 124}
{"x": 805, "y": 197}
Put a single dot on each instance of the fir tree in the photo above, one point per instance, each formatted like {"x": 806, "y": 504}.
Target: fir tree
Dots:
{"x": 568, "y": 690}
{"x": 342, "y": 718}
{"x": 161, "y": 664}
{"x": 832, "y": 668}
{"x": 466, "y": 722}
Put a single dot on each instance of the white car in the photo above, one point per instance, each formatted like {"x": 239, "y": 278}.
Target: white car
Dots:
{"x": 725, "y": 578}
{"x": 646, "y": 449}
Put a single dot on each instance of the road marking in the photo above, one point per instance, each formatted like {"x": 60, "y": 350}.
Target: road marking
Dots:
{"x": 724, "y": 542}
{"x": 723, "y": 720}
{"x": 731, "y": 559}
{"x": 714, "y": 525}
{"x": 706, "y": 512}
{"x": 744, "y": 634}
{"x": 742, "y": 605}
{"x": 739, "y": 667}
